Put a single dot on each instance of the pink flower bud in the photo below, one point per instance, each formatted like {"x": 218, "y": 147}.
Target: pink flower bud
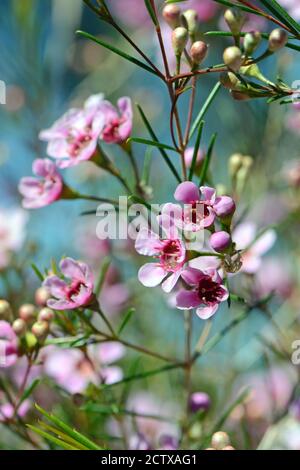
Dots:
{"x": 42, "y": 295}
{"x": 46, "y": 314}
{"x": 277, "y": 39}
{"x": 224, "y": 206}
{"x": 19, "y": 326}
{"x": 199, "y": 401}
{"x": 220, "y": 241}
{"x": 27, "y": 312}
{"x": 198, "y": 51}
{"x": 171, "y": 14}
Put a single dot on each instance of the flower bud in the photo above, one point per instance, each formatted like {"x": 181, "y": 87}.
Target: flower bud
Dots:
{"x": 235, "y": 19}
{"x": 220, "y": 440}
{"x": 191, "y": 17}
{"x": 220, "y": 241}
{"x": 199, "y": 401}
{"x": 46, "y": 314}
{"x": 19, "y": 326}
{"x": 171, "y": 14}
{"x": 40, "y": 329}
{"x": 277, "y": 39}
{"x": 179, "y": 40}
{"x": 198, "y": 51}
{"x": 224, "y": 206}
{"x": 5, "y": 310}
{"x": 232, "y": 57}
{"x": 251, "y": 41}
{"x": 235, "y": 164}
{"x": 41, "y": 296}
{"x": 27, "y": 312}
{"x": 239, "y": 95}
{"x": 229, "y": 80}
{"x": 188, "y": 157}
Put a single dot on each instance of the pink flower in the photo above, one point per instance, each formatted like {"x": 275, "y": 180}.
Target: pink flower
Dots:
{"x": 74, "y": 371}
{"x": 12, "y": 233}
{"x": 171, "y": 255}
{"x": 42, "y": 191}
{"x": 8, "y": 345}
{"x": 274, "y": 276}
{"x": 206, "y": 9}
{"x": 118, "y": 123}
{"x": 77, "y": 293}
{"x": 188, "y": 156}
{"x": 7, "y": 410}
{"x": 131, "y": 12}
{"x": 206, "y": 294}
{"x": 244, "y": 237}
{"x": 292, "y": 6}
{"x": 73, "y": 138}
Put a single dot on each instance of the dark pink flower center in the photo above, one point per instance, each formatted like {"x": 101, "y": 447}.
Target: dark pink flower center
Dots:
{"x": 196, "y": 212}
{"x": 79, "y": 141}
{"x": 74, "y": 289}
{"x": 171, "y": 255}
{"x": 209, "y": 291}
{"x": 111, "y": 130}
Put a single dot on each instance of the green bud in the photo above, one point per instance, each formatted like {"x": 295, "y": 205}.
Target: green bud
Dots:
{"x": 40, "y": 329}
{"x": 5, "y": 310}
{"x": 251, "y": 41}
{"x": 220, "y": 440}
{"x": 179, "y": 40}
{"x": 232, "y": 57}
{"x": 235, "y": 19}
{"x": 30, "y": 340}
{"x": 277, "y": 39}
{"x": 235, "y": 164}
{"x": 191, "y": 18}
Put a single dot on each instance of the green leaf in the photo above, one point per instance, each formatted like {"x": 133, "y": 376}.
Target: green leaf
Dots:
{"x": 102, "y": 275}
{"x": 236, "y": 5}
{"x": 60, "y": 435}
{"x": 147, "y": 166}
{"x": 125, "y": 320}
{"x": 205, "y": 108}
{"x": 151, "y": 12}
{"x": 242, "y": 397}
{"x": 152, "y": 143}
{"x": 51, "y": 438}
{"x": 207, "y": 160}
{"x": 162, "y": 151}
{"x": 37, "y": 272}
{"x": 196, "y": 149}
{"x": 29, "y": 390}
{"x": 282, "y": 15}
{"x": 116, "y": 51}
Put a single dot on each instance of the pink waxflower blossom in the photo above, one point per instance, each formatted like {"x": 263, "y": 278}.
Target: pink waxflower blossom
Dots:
{"x": 118, "y": 123}
{"x": 12, "y": 233}
{"x": 73, "y": 138}
{"x": 77, "y": 370}
{"x": 244, "y": 236}
{"x": 188, "y": 157}
{"x": 8, "y": 345}
{"x": 77, "y": 293}
{"x": 170, "y": 253}
{"x": 131, "y": 12}
{"x": 44, "y": 190}
{"x": 206, "y": 293}
{"x": 206, "y": 9}
{"x": 7, "y": 410}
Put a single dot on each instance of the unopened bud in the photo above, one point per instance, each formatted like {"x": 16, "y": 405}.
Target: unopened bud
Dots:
{"x": 251, "y": 41}
{"x": 171, "y": 14}
{"x": 191, "y": 17}
{"x": 198, "y": 51}
{"x": 40, "y": 329}
{"x": 277, "y": 39}
{"x": 232, "y": 57}
{"x": 199, "y": 401}
{"x": 224, "y": 206}
{"x": 235, "y": 164}
{"x": 5, "y": 310}
{"x": 19, "y": 327}
{"x": 239, "y": 95}
{"x": 235, "y": 19}
{"x": 46, "y": 314}
{"x": 179, "y": 40}
{"x": 220, "y": 440}
{"x": 220, "y": 241}
{"x": 41, "y": 296}
{"x": 229, "y": 80}
{"x": 27, "y": 312}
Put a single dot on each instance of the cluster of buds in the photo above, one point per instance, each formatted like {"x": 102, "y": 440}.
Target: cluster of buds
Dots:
{"x": 5, "y": 310}
{"x": 220, "y": 441}
{"x": 185, "y": 26}
{"x": 239, "y": 168}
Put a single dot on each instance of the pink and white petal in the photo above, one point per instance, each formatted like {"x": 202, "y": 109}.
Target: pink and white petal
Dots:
{"x": 151, "y": 274}
{"x": 94, "y": 101}
{"x": 192, "y": 276}
{"x": 56, "y": 286}
{"x": 187, "y": 192}
{"x": 147, "y": 243}
{"x": 205, "y": 262}
{"x": 244, "y": 234}
{"x": 111, "y": 375}
{"x": 251, "y": 263}
{"x": 110, "y": 352}
{"x": 170, "y": 282}
{"x": 206, "y": 312}
{"x": 264, "y": 243}
{"x": 209, "y": 194}
{"x": 187, "y": 299}
{"x": 72, "y": 269}
{"x": 61, "y": 304}
{"x": 224, "y": 294}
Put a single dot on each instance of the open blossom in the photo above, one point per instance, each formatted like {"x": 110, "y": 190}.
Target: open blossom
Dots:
{"x": 77, "y": 293}
{"x": 73, "y": 138}
{"x": 244, "y": 237}
{"x": 8, "y": 345}
{"x": 77, "y": 370}
{"x": 12, "y": 233}
{"x": 170, "y": 253}
{"x": 43, "y": 190}
{"x": 206, "y": 293}
{"x": 118, "y": 122}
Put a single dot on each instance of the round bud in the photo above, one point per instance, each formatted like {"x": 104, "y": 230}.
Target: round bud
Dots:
{"x": 232, "y": 57}
{"x": 199, "y": 401}
{"x": 198, "y": 51}
{"x": 229, "y": 80}
{"x": 27, "y": 312}
{"x": 189, "y": 154}
{"x": 191, "y": 17}
{"x": 42, "y": 295}
{"x": 220, "y": 440}
{"x": 179, "y": 40}
{"x": 46, "y": 314}
{"x": 235, "y": 19}
{"x": 235, "y": 163}
{"x": 5, "y": 310}
{"x": 171, "y": 14}
{"x": 220, "y": 241}
{"x": 19, "y": 327}
{"x": 251, "y": 41}
{"x": 277, "y": 39}
{"x": 40, "y": 329}
{"x": 247, "y": 162}
{"x": 224, "y": 206}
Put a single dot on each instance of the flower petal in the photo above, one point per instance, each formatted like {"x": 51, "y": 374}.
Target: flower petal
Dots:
{"x": 151, "y": 274}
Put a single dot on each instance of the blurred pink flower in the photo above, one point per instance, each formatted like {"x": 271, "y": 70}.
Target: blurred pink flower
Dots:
{"x": 269, "y": 278}
{"x": 7, "y": 410}
{"x": 206, "y": 9}
{"x": 206, "y": 294}
{"x": 244, "y": 235}
{"x": 291, "y": 172}
{"x": 131, "y": 12}
{"x": 73, "y": 138}
{"x": 8, "y": 345}
{"x": 12, "y": 233}
{"x": 74, "y": 370}
{"x": 292, "y": 6}
{"x": 188, "y": 156}
{"x": 117, "y": 123}
{"x": 42, "y": 191}
{"x": 77, "y": 293}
